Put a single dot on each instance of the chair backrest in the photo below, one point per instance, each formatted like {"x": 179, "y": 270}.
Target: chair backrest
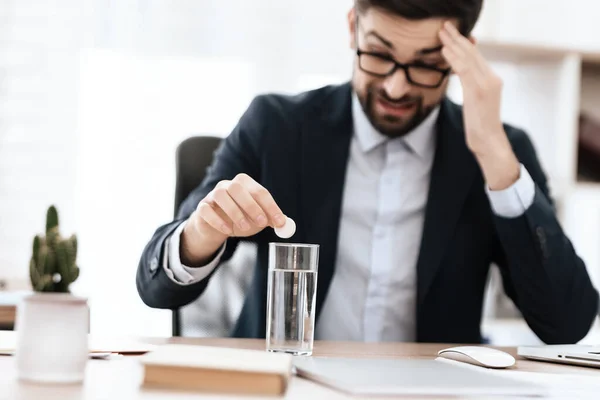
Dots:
{"x": 192, "y": 159}
{"x": 194, "y": 155}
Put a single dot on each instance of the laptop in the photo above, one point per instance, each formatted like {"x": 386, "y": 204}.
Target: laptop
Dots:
{"x": 566, "y": 354}
{"x": 415, "y": 377}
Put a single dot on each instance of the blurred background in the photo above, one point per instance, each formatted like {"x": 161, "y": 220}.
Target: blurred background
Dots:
{"x": 95, "y": 96}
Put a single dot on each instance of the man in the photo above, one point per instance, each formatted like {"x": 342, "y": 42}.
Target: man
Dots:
{"x": 409, "y": 196}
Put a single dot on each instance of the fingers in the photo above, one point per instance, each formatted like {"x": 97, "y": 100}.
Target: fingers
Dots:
{"x": 223, "y": 198}
{"x": 463, "y": 46}
{"x": 210, "y": 216}
{"x": 462, "y": 55}
{"x": 455, "y": 61}
{"x": 241, "y": 207}
{"x": 456, "y": 38}
{"x": 265, "y": 201}
{"x": 242, "y": 197}
{"x": 453, "y": 53}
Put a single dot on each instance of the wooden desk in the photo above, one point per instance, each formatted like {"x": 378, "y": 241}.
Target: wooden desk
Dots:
{"x": 121, "y": 377}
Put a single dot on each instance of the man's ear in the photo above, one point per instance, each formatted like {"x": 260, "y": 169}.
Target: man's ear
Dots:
{"x": 352, "y": 27}
{"x": 473, "y": 40}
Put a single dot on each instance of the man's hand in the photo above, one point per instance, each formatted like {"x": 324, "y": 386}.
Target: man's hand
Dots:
{"x": 482, "y": 92}
{"x": 240, "y": 207}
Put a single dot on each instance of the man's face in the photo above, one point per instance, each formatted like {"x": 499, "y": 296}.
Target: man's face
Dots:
{"x": 393, "y": 104}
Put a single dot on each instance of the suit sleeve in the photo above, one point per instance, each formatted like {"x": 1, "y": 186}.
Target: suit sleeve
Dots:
{"x": 541, "y": 271}
{"x": 180, "y": 273}
{"x": 238, "y": 153}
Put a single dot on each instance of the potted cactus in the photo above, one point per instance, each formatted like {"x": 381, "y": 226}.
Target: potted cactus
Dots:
{"x": 52, "y": 267}
{"x": 52, "y": 324}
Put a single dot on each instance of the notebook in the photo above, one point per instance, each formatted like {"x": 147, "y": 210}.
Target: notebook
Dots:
{"x": 217, "y": 370}
{"x": 414, "y": 377}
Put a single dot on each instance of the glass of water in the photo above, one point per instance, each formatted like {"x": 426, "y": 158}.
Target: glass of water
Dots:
{"x": 292, "y": 292}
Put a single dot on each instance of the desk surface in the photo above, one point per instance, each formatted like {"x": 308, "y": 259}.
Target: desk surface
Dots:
{"x": 121, "y": 377}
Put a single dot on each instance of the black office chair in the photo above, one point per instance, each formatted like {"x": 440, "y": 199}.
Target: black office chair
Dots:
{"x": 193, "y": 156}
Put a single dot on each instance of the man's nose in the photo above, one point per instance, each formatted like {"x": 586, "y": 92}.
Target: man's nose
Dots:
{"x": 396, "y": 85}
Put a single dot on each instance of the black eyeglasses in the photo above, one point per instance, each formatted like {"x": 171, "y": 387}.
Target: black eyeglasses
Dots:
{"x": 382, "y": 65}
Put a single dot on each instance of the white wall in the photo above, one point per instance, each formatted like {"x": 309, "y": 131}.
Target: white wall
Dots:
{"x": 562, "y": 23}
{"x": 38, "y": 103}
{"x": 134, "y": 111}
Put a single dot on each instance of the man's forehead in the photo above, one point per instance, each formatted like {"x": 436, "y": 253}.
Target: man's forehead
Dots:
{"x": 396, "y": 31}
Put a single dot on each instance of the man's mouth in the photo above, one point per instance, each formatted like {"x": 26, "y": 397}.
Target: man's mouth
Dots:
{"x": 398, "y": 109}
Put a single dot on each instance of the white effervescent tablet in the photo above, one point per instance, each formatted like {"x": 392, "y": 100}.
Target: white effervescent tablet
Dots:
{"x": 287, "y": 230}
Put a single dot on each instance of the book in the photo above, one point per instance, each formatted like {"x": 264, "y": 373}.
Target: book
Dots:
{"x": 217, "y": 370}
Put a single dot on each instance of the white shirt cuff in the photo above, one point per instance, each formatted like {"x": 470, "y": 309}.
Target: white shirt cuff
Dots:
{"x": 180, "y": 273}
{"x": 513, "y": 201}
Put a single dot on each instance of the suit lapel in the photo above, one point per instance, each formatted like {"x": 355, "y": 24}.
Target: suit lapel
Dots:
{"x": 452, "y": 175}
{"x": 324, "y": 153}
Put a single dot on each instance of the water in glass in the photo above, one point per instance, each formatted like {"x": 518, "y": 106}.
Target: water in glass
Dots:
{"x": 291, "y": 308}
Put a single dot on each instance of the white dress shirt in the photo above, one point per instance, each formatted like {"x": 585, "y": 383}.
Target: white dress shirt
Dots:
{"x": 372, "y": 296}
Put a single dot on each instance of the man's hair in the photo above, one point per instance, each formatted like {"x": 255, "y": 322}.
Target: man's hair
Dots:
{"x": 466, "y": 11}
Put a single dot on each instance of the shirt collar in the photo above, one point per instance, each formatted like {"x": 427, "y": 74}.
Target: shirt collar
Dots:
{"x": 421, "y": 139}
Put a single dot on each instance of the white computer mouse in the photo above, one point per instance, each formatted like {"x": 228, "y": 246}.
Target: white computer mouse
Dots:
{"x": 479, "y": 355}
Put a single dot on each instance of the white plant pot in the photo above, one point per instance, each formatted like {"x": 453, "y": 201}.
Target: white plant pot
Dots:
{"x": 52, "y": 338}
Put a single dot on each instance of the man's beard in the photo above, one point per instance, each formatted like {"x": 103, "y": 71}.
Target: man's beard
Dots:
{"x": 390, "y": 125}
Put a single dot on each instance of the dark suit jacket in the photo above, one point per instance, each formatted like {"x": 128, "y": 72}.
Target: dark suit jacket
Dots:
{"x": 297, "y": 147}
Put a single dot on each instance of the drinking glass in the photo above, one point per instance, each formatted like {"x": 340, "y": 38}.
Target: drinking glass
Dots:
{"x": 292, "y": 291}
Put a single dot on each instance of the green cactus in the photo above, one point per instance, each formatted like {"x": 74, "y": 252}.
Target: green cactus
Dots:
{"x": 53, "y": 267}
